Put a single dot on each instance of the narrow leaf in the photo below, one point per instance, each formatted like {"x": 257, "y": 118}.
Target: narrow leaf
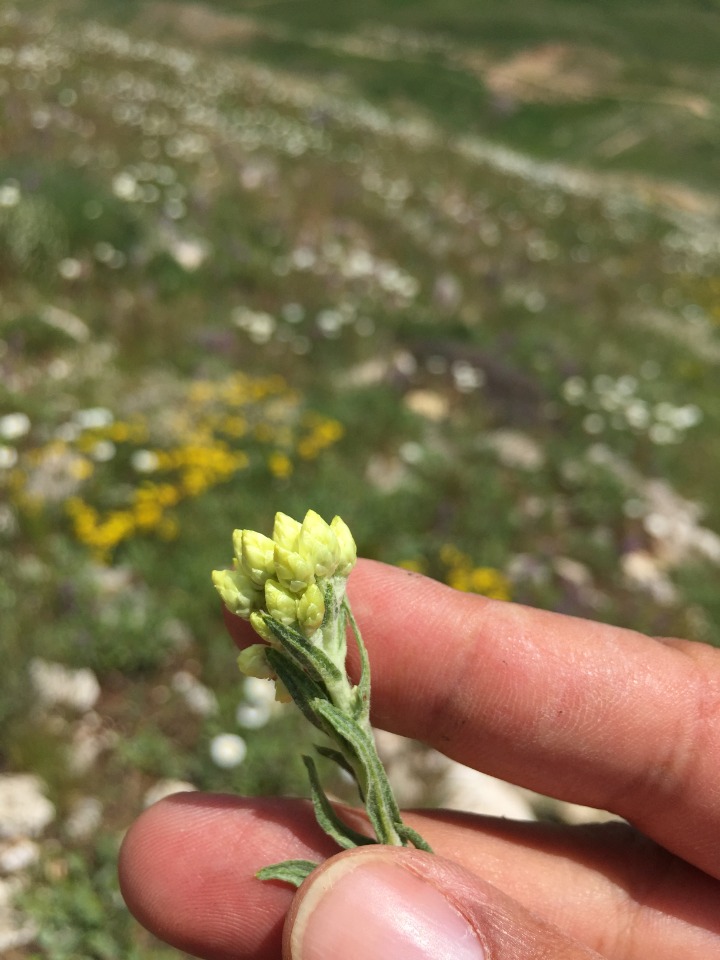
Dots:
{"x": 326, "y": 816}
{"x": 379, "y": 801}
{"x": 341, "y": 761}
{"x": 407, "y": 833}
{"x": 315, "y": 661}
{"x": 301, "y": 688}
{"x": 289, "y": 871}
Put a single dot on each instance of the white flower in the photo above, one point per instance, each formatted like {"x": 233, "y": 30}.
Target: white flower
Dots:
{"x": 189, "y": 254}
{"x": 93, "y": 418}
{"x": 145, "y": 461}
{"x": 10, "y": 193}
{"x": 69, "y": 268}
{"x": 125, "y": 186}
{"x": 8, "y": 457}
{"x": 227, "y": 750}
{"x": 14, "y": 425}
{"x": 103, "y": 451}
{"x": 253, "y": 716}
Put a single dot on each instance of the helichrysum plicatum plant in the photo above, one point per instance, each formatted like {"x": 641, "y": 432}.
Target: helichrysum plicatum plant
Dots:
{"x": 292, "y": 589}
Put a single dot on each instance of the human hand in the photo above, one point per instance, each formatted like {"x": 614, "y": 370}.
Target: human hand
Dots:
{"x": 582, "y": 711}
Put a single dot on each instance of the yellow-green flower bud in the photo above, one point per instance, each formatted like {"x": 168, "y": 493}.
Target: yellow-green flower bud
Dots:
{"x": 237, "y": 544}
{"x": 280, "y": 603}
{"x": 253, "y": 662}
{"x": 347, "y": 550}
{"x": 293, "y": 570}
{"x": 286, "y": 531}
{"x": 318, "y": 544}
{"x": 257, "y": 556}
{"x": 238, "y": 592}
{"x": 257, "y": 622}
{"x": 311, "y": 609}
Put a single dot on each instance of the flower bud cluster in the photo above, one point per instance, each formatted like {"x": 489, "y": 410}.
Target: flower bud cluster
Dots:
{"x": 282, "y": 576}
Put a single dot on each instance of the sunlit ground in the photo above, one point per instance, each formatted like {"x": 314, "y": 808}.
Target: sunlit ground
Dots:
{"x": 230, "y": 285}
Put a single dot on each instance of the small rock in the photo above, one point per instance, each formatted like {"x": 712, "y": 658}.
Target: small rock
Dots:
{"x": 84, "y": 818}
{"x": 166, "y": 788}
{"x": 57, "y": 686}
{"x": 24, "y": 809}
{"x": 18, "y": 855}
{"x": 466, "y": 789}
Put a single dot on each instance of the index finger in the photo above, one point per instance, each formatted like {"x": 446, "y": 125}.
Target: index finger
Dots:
{"x": 586, "y": 712}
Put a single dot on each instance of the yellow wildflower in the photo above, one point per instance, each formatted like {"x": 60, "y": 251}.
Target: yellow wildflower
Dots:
{"x": 280, "y": 465}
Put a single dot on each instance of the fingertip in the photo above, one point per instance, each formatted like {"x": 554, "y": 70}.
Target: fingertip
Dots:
{"x": 187, "y": 871}
{"x": 390, "y": 903}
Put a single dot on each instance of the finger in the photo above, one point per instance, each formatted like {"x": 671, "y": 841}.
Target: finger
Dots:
{"x": 605, "y": 884}
{"x": 592, "y": 713}
{"x": 399, "y": 904}
{"x": 187, "y": 871}
{"x": 596, "y": 714}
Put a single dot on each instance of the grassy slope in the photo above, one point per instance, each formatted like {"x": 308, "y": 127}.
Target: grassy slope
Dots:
{"x": 666, "y": 54}
{"x": 370, "y": 192}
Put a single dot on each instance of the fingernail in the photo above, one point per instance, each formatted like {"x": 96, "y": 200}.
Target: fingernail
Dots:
{"x": 360, "y": 909}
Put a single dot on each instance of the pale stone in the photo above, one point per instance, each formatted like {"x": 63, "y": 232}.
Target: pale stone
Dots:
{"x": 166, "y": 788}
{"x": 25, "y": 811}
{"x": 57, "y": 685}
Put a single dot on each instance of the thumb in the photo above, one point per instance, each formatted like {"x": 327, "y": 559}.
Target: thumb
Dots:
{"x": 402, "y": 904}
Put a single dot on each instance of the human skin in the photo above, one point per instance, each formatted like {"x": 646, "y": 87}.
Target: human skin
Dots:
{"x": 582, "y": 711}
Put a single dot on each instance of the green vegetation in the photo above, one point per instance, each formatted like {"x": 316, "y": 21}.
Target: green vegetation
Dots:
{"x": 446, "y": 269}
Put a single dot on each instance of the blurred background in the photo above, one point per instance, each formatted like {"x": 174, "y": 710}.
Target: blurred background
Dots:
{"x": 448, "y": 269}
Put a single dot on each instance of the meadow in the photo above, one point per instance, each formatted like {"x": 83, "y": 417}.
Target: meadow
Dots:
{"x": 451, "y": 273}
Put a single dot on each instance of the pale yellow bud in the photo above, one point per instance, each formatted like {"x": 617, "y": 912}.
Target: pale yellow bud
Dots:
{"x": 293, "y": 570}
{"x": 347, "y": 550}
{"x": 286, "y": 531}
{"x": 238, "y": 592}
{"x": 237, "y": 544}
{"x": 257, "y": 556}
{"x": 280, "y": 603}
{"x": 253, "y": 662}
{"x": 257, "y": 622}
{"x": 318, "y": 544}
{"x": 311, "y": 609}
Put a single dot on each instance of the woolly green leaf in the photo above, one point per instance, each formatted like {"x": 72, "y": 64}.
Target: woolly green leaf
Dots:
{"x": 379, "y": 800}
{"x": 342, "y": 762}
{"x": 407, "y": 833}
{"x": 304, "y": 691}
{"x": 315, "y": 661}
{"x": 326, "y": 816}
{"x": 289, "y": 871}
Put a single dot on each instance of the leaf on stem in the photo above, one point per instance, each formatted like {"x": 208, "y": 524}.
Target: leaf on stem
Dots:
{"x": 379, "y": 801}
{"x": 312, "y": 659}
{"x": 305, "y": 691}
{"x": 326, "y": 816}
{"x": 289, "y": 871}
{"x": 407, "y": 833}
{"x": 341, "y": 761}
